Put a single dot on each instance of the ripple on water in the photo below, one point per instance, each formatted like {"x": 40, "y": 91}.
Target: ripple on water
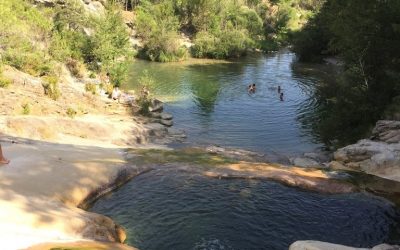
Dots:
{"x": 212, "y": 103}
{"x": 163, "y": 210}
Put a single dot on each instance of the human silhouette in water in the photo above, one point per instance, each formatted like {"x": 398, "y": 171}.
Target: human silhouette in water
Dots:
{"x": 281, "y": 97}
{"x": 279, "y": 89}
{"x": 252, "y": 88}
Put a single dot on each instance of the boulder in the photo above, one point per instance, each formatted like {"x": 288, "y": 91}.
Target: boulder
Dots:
{"x": 319, "y": 245}
{"x": 386, "y": 247}
{"x": 387, "y": 131}
{"x": 167, "y": 123}
{"x": 176, "y": 133}
{"x": 379, "y": 155}
{"x": 156, "y": 129}
{"x": 166, "y": 116}
{"x": 156, "y": 106}
{"x": 319, "y": 156}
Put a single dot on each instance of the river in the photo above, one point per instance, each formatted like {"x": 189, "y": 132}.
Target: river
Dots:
{"x": 167, "y": 209}
{"x": 212, "y": 104}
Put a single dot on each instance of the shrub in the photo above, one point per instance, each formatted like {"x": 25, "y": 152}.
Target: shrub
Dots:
{"x": 158, "y": 26}
{"x": 30, "y": 61}
{"x": 224, "y": 44}
{"x": 144, "y": 100}
{"x": 26, "y": 109}
{"x": 165, "y": 47}
{"x": 76, "y": 68}
{"x": 50, "y": 86}
{"x": 118, "y": 73}
{"x": 71, "y": 113}
{"x": 110, "y": 42}
{"x": 144, "y": 103}
{"x": 91, "y": 87}
{"x": 4, "y": 82}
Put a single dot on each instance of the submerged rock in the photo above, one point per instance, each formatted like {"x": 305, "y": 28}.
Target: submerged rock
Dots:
{"x": 167, "y": 123}
{"x": 319, "y": 245}
{"x": 304, "y": 162}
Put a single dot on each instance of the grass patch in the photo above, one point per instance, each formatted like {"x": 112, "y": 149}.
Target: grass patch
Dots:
{"x": 26, "y": 109}
{"x": 71, "y": 113}
{"x": 4, "y": 82}
{"x": 91, "y": 87}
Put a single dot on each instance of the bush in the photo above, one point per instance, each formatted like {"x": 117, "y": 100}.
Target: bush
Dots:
{"x": 146, "y": 81}
{"x": 50, "y": 86}
{"x": 165, "y": 47}
{"x": 225, "y": 44}
{"x": 118, "y": 73}
{"x": 110, "y": 42}
{"x": 91, "y": 87}
{"x": 71, "y": 113}
{"x": 26, "y": 109}
{"x": 158, "y": 26}
{"x": 76, "y": 68}
{"x": 4, "y": 82}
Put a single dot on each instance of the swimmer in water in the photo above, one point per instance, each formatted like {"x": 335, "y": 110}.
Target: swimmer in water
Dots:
{"x": 281, "y": 97}
{"x": 279, "y": 89}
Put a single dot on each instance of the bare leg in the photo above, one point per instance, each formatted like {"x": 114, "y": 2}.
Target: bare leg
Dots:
{"x": 2, "y": 159}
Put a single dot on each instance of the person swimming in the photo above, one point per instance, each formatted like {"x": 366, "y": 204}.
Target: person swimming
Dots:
{"x": 252, "y": 88}
{"x": 281, "y": 97}
{"x": 279, "y": 89}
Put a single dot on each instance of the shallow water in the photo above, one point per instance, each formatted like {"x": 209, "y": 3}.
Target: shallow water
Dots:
{"x": 211, "y": 103}
{"x": 178, "y": 210}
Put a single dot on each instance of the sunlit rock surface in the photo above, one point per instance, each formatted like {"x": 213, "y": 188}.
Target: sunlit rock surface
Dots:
{"x": 319, "y": 245}
{"x": 379, "y": 155}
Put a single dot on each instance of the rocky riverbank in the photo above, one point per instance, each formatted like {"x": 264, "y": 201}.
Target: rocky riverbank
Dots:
{"x": 379, "y": 155}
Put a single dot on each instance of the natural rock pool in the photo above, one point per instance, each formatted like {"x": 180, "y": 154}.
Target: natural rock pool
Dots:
{"x": 167, "y": 209}
{"x": 179, "y": 210}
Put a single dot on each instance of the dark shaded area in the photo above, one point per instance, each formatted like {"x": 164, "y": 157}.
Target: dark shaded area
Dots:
{"x": 178, "y": 210}
{"x": 364, "y": 37}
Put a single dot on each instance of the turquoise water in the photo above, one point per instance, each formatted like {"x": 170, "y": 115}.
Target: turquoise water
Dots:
{"x": 211, "y": 103}
{"x": 165, "y": 209}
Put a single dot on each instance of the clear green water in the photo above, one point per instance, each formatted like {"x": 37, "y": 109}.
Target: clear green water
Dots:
{"x": 211, "y": 103}
{"x": 168, "y": 209}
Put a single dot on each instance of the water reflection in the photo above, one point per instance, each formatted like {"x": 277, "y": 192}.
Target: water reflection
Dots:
{"x": 211, "y": 102}
{"x": 179, "y": 210}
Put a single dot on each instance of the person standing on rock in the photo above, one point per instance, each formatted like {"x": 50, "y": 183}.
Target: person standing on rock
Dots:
{"x": 2, "y": 159}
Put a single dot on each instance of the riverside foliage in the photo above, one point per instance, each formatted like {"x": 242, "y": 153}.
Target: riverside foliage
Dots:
{"x": 37, "y": 39}
{"x": 218, "y": 28}
{"x": 365, "y": 36}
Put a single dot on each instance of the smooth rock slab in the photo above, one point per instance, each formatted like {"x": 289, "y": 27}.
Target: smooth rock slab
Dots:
{"x": 166, "y": 116}
{"x": 304, "y": 162}
{"x": 319, "y": 245}
{"x": 167, "y": 123}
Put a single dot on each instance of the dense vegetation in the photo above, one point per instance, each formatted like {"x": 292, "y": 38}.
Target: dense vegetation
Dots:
{"x": 365, "y": 36}
{"x": 218, "y": 28}
{"x": 37, "y": 40}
